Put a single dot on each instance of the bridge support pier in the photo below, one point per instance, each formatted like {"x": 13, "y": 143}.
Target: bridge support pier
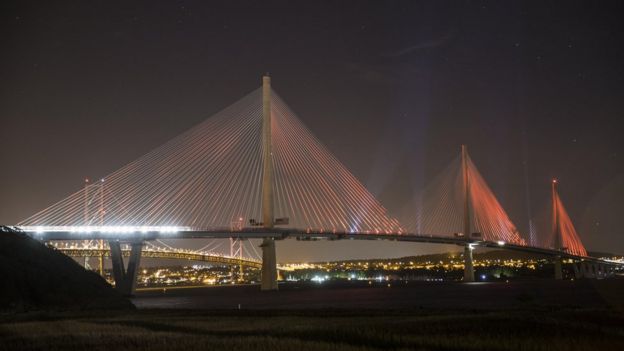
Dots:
{"x": 558, "y": 269}
{"x": 599, "y": 271}
{"x": 592, "y": 269}
{"x": 269, "y": 265}
{"x": 587, "y": 270}
{"x": 117, "y": 262}
{"x": 577, "y": 271}
{"x": 468, "y": 265}
{"x": 125, "y": 279}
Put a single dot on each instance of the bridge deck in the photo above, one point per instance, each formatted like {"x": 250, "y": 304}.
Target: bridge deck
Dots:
{"x": 281, "y": 233}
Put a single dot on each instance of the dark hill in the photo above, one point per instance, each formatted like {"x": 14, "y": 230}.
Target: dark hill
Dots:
{"x": 36, "y": 277}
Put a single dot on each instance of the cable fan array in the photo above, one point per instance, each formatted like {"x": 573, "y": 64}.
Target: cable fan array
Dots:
{"x": 211, "y": 176}
{"x": 489, "y": 216}
{"x": 440, "y": 207}
{"x": 569, "y": 238}
{"x": 313, "y": 188}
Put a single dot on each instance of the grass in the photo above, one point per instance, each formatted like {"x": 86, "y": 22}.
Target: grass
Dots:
{"x": 316, "y": 330}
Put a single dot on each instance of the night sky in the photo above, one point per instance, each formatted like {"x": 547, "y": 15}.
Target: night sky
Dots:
{"x": 536, "y": 90}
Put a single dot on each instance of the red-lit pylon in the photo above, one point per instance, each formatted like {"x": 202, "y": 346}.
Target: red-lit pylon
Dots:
{"x": 565, "y": 237}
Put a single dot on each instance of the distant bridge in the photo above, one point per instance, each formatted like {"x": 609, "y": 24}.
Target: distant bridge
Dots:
{"x": 166, "y": 254}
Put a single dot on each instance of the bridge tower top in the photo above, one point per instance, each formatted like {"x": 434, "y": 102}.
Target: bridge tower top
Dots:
{"x": 466, "y": 181}
{"x": 267, "y": 170}
{"x": 556, "y": 227}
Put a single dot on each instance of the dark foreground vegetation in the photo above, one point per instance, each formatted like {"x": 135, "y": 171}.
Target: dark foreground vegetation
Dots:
{"x": 49, "y": 302}
{"x": 539, "y": 329}
{"x": 35, "y": 277}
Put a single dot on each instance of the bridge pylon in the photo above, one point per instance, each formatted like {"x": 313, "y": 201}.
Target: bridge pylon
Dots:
{"x": 468, "y": 264}
{"x": 556, "y": 231}
{"x": 269, "y": 261}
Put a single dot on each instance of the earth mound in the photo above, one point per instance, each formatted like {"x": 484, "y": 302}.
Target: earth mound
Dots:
{"x": 37, "y": 277}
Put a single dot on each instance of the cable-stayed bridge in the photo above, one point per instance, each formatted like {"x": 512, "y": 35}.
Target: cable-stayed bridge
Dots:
{"x": 254, "y": 170}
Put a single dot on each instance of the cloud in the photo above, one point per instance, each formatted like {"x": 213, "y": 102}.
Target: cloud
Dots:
{"x": 432, "y": 43}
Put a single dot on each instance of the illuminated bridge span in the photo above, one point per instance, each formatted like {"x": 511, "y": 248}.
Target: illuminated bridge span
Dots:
{"x": 254, "y": 170}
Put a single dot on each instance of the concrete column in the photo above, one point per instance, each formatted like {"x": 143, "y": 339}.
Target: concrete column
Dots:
{"x": 267, "y": 164}
{"x": 118, "y": 265}
{"x": 125, "y": 280}
{"x": 468, "y": 265}
{"x": 555, "y": 216}
{"x": 269, "y": 265}
{"x": 577, "y": 271}
{"x": 558, "y": 270}
{"x": 598, "y": 271}
{"x": 269, "y": 261}
{"x": 133, "y": 267}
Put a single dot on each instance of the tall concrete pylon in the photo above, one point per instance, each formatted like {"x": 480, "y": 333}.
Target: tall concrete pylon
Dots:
{"x": 269, "y": 261}
{"x": 556, "y": 231}
{"x": 468, "y": 264}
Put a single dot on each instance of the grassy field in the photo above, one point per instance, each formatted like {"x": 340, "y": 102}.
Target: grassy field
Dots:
{"x": 316, "y": 330}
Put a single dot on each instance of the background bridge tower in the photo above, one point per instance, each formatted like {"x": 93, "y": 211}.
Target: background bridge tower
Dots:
{"x": 86, "y": 217}
{"x": 468, "y": 264}
{"x": 100, "y": 212}
{"x": 269, "y": 261}
{"x": 236, "y": 250}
